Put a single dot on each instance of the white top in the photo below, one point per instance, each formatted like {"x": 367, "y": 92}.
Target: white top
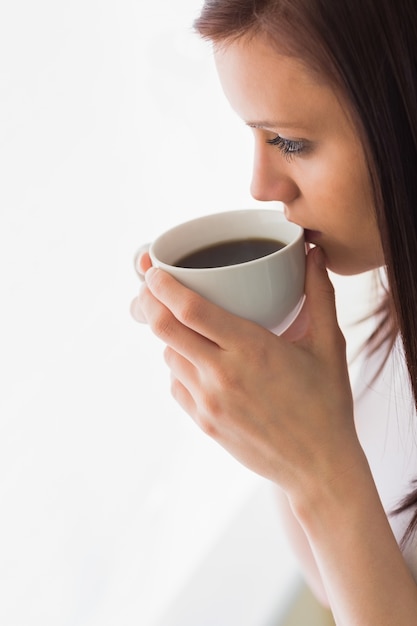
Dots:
{"x": 386, "y": 423}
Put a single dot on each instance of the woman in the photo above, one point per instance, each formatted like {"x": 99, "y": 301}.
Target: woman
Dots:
{"x": 330, "y": 92}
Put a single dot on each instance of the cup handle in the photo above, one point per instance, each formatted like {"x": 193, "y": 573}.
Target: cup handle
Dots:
{"x": 144, "y": 248}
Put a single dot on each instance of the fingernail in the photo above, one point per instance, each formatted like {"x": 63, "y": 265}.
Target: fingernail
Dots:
{"x": 137, "y": 258}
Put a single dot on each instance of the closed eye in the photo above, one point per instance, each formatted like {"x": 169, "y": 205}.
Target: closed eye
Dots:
{"x": 289, "y": 147}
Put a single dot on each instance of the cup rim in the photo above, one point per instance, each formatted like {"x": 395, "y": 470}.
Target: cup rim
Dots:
{"x": 294, "y": 242}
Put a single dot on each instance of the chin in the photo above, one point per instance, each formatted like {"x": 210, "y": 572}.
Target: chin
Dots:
{"x": 347, "y": 269}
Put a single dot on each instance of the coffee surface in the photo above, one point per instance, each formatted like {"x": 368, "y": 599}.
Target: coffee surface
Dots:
{"x": 230, "y": 253}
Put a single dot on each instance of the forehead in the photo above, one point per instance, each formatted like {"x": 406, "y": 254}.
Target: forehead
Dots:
{"x": 256, "y": 52}
{"x": 259, "y": 82}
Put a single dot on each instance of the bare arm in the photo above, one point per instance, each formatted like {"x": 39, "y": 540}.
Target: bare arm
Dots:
{"x": 363, "y": 571}
{"x": 301, "y": 548}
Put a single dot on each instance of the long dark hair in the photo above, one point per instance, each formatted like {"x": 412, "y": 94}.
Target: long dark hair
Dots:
{"x": 368, "y": 50}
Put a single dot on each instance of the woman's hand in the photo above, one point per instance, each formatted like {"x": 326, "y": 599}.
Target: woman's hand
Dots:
{"x": 281, "y": 405}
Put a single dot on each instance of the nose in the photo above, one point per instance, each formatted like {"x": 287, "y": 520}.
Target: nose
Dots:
{"x": 271, "y": 178}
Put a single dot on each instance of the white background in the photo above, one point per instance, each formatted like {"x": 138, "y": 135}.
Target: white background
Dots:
{"x": 112, "y": 128}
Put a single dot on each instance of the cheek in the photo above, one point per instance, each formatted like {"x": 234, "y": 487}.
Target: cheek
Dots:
{"x": 339, "y": 190}
{"x": 353, "y": 246}
{"x": 322, "y": 182}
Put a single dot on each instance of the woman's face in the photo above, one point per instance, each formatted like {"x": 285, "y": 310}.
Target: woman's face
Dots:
{"x": 307, "y": 153}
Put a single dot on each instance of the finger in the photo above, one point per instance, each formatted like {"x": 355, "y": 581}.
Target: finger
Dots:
{"x": 187, "y": 390}
{"x": 163, "y": 323}
{"x": 186, "y": 400}
{"x": 142, "y": 261}
{"x": 136, "y": 311}
{"x": 182, "y": 369}
{"x": 136, "y": 308}
{"x": 197, "y": 313}
{"x": 320, "y": 301}
{"x": 181, "y": 395}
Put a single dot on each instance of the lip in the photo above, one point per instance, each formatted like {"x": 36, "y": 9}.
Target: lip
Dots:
{"x": 312, "y": 236}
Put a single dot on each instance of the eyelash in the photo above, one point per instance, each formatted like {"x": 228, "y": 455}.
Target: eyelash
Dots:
{"x": 289, "y": 147}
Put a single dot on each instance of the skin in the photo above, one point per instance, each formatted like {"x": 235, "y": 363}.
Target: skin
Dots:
{"x": 283, "y": 405}
{"x": 326, "y": 188}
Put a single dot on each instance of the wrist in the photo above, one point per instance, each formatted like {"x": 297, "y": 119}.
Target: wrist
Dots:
{"x": 331, "y": 494}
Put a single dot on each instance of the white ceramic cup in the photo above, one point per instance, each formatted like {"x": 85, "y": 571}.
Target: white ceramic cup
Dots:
{"x": 268, "y": 290}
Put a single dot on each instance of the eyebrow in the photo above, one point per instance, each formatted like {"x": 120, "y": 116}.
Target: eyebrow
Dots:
{"x": 268, "y": 124}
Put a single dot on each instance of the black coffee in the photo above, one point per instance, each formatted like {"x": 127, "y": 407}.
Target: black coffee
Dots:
{"x": 230, "y": 253}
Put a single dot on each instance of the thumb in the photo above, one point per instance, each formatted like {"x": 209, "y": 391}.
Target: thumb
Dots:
{"x": 320, "y": 299}
{"x": 316, "y": 322}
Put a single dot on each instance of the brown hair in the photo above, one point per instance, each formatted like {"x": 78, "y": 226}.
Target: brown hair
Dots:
{"x": 368, "y": 50}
